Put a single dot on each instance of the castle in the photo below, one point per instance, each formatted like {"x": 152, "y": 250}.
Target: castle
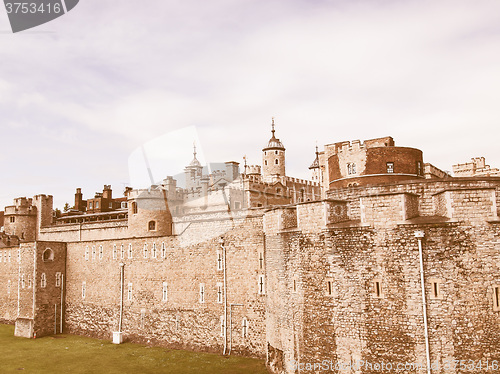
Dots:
{"x": 380, "y": 259}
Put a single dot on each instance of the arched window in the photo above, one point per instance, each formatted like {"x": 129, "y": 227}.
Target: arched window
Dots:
{"x": 152, "y": 225}
{"x": 48, "y": 255}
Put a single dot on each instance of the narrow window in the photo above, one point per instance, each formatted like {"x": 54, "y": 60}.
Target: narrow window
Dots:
{"x": 12, "y": 219}
{"x": 58, "y": 279}
{"x": 152, "y": 225}
{"x": 87, "y": 253}
{"x": 9, "y": 256}
{"x": 219, "y": 293}
{"x": 145, "y": 251}
{"x": 43, "y": 280}
{"x": 202, "y": 293}
{"x": 219, "y": 260}
{"x": 97, "y": 204}
{"x": 222, "y": 326}
{"x": 90, "y": 205}
{"x": 153, "y": 251}
{"x": 261, "y": 260}
{"x": 23, "y": 284}
{"x": 377, "y": 288}
{"x": 244, "y": 328}
{"x": 101, "y": 252}
{"x": 353, "y": 167}
{"x": 390, "y": 167}
{"x": 134, "y": 208}
{"x": 329, "y": 288}
{"x": 276, "y": 161}
{"x": 93, "y": 252}
{"x": 419, "y": 168}
{"x": 435, "y": 289}
{"x": 496, "y": 298}
{"x": 261, "y": 285}
{"x": 84, "y": 290}
{"x": 8, "y": 286}
{"x": 265, "y": 162}
{"x": 294, "y": 285}
{"x": 349, "y": 169}
{"x": 163, "y": 250}
{"x": 275, "y": 152}
{"x": 165, "y": 292}
{"x": 30, "y": 283}
{"x": 129, "y": 292}
{"x": 130, "y": 251}
{"x": 115, "y": 252}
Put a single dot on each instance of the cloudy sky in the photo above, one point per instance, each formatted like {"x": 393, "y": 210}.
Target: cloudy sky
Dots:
{"x": 79, "y": 95}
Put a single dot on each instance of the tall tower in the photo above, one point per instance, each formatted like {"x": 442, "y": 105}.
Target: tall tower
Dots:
{"x": 273, "y": 159}
{"x": 193, "y": 172}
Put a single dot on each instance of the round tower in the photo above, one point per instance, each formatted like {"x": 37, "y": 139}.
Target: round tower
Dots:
{"x": 149, "y": 213}
{"x": 273, "y": 158}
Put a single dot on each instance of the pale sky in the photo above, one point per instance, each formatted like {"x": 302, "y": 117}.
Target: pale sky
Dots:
{"x": 80, "y": 94}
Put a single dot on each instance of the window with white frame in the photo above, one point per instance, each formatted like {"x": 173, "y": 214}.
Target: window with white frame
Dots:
{"x": 129, "y": 292}
{"x": 43, "y": 280}
{"x": 163, "y": 250}
{"x": 165, "y": 292}
{"x": 145, "y": 251}
{"x": 84, "y": 289}
{"x": 390, "y": 167}
{"x": 10, "y": 255}
{"x": 30, "y": 282}
{"x": 23, "y": 283}
{"x": 261, "y": 260}
{"x": 8, "y": 286}
{"x": 130, "y": 251}
{"x": 94, "y": 253}
{"x": 115, "y": 252}
{"x": 101, "y": 252}
{"x": 222, "y": 326}
{"x": 244, "y": 327}
{"x": 219, "y": 292}
{"x": 219, "y": 259}
{"x": 87, "y": 253}
{"x": 153, "y": 251}
{"x": 261, "y": 285}
{"x": 58, "y": 279}
{"x": 202, "y": 293}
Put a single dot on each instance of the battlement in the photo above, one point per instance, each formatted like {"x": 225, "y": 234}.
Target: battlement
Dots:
{"x": 357, "y": 145}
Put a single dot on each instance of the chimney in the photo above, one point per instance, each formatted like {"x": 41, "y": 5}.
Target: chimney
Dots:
{"x": 107, "y": 192}
{"x": 79, "y": 200}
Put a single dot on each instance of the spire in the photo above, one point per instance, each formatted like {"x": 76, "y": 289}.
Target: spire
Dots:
{"x": 315, "y": 163}
{"x": 274, "y": 142}
{"x": 195, "y": 161}
{"x": 194, "y": 149}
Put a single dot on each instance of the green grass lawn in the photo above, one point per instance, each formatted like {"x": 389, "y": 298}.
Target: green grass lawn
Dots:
{"x": 72, "y": 354}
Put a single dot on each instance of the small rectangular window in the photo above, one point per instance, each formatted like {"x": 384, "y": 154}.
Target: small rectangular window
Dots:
{"x": 8, "y": 286}
{"x": 261, "y": 260}
{"x": 219, "y": 259}
{"x": 244, "y": 327}
{"x": 115, "y": 252}
{"x": 165, "y": 292}
{"x": 23, "y": 284}
{"x": 97, "y": 204}
{"x": 87, "y": 253}
{"x": 390, "y": 167}
{"x": 163, "y": 250}
{"x": 90, "y": 205}
{"x": 202, "y": 293}
{"x": 129, "y": 251}
{"x": 153, "y": 251}
{"x": 12, "y": 219}
{"x": 10, "y": 255}
{"x": 261, "y": 285}
{"x": 94, "y": 253}
{"x": 435, "y": 291}
{"x": 58, "y": 279}
{"x": 329, "y": 287}
{"x": 129, "y": 292}
{"x": 219, "y": 293}
{"x": 496, "y": 298}
{"x": 43, "y": 280}
{"x": 101, "y": 252}
{"x": 294, "y": 285}
{"x": 377, "y": 288}
{"x": 30, "y": 283}
{"x": 419, "y": 168}
{"x": 84, "y": 290}
{"x": 145, "y": 251}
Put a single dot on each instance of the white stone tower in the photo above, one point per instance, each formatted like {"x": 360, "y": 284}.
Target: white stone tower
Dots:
{"x": 273, "y": 159}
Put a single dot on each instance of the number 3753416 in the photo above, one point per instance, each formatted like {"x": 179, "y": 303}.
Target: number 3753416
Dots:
{"x": 33, "y": 8}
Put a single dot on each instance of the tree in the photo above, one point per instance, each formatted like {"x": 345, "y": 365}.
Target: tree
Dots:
{"x": 66, "y": 207}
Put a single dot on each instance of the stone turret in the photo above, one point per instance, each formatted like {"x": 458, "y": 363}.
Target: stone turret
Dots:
{"x": 273, "y": 158}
